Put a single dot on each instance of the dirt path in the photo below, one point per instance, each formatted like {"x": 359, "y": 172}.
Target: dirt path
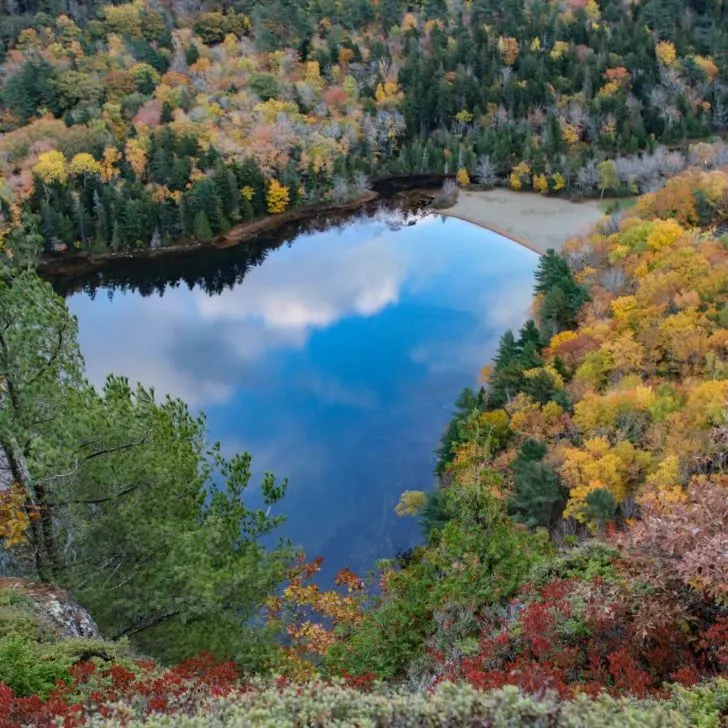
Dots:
{"x": 535, "y": 221}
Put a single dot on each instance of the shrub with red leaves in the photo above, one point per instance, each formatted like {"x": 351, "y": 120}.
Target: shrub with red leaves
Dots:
{"x": 93, "y": 689}
{"x": 359, "y": 682}
{"x": 593, "y": 636}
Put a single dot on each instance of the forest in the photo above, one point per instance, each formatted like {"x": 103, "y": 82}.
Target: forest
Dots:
{"x": 140, "y": 125}
{"x": 573, "y": 569}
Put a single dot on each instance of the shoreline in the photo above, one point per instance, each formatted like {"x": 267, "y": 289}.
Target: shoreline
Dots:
{"x": 531, "y": 220}
{"x": 499, "y": 231}
{"x": 534, "y": 221}
{"x": 82, "y": 262}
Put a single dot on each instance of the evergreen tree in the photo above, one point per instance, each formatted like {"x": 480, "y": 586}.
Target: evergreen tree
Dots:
{"x": 137, "y": 514}
{"x": 539, "y": 497}
{"x": 201, "y": 228}
{"x": 562, "y": 297}
{"x": 600, "y": 507}
{"x": 507, "y": 352}
{"x": 466, "y": 403}
{"x": 30, "y": 89}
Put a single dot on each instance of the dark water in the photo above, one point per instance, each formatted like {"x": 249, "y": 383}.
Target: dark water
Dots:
{"x": 334, "y": 360}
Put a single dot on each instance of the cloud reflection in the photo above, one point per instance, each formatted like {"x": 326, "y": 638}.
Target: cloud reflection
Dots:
{"x": 316, "y": 284}
{"x": 335, "y": 363}
{"x": 202, "y": 347}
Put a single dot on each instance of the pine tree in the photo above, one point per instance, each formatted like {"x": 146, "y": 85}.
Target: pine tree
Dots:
{"x": 529, "y": 335}
{"x": 467, "y": 402}
{"x": 538, "y": 497}
{"x": 600, "y": 507}
{"x": 507, "y": 352}
{"x": 434, "y": 513}
{"x": 201, "y": 228}
{"x": 101, "y": 220}
{"x": 166, "y": 116}
{"x": 562, "y": 295}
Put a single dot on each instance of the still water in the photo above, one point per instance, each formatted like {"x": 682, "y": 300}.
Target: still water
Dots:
{"x": 334, "y": 359}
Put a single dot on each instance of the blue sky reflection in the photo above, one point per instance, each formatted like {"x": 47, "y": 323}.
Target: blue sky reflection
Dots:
{"x": 335, "y": 363}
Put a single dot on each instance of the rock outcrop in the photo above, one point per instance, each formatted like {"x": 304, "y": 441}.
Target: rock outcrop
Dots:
{"x": 54, "y": 608}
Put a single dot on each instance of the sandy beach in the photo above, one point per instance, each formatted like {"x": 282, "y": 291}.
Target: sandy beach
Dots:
{"x": 532, "y": 220}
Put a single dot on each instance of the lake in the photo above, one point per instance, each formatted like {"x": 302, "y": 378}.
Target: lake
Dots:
{"x": 334, "y": 359}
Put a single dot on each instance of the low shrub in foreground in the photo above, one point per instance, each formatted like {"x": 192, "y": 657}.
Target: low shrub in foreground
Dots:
{"x": 326, "y": 704}
{"x": 101, "y": 689}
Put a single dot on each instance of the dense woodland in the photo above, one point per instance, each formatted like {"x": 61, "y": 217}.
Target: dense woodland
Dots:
{"x": 574, "y": 562}
{"x": 143, "y": 124}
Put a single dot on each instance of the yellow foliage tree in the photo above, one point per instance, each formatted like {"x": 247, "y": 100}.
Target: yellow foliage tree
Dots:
{"x": 560, "y": 47}
{"x": 707, "y": 65}
{"x": 558, "y": 181}
{"x": 529, "y": 419}
{"x": 515, "y": 178}
{"x": 664, "y": 485}
{"x": 388, "y": 94}
{"x": 409, "y": 21}
{"x": 570, "y": 133}
{"x": 84, "y": 164}
{"x": 411, "y": 502}
{"x": 136, "y": 156}
{"x": 626, "y": 353}
{"x": 124, "y": 19}
{"x": 51, "y": 168}
{"x": 663, "y": 234}
{"x": 540, "y": 183}
{"x": 14, "y": 520}
{"x": 592, "y": 10}
{"x": 597, "y": 466}
{"x": 623, "y": 412}
{"x": 111, "y": 157}
{"x": 508, "y": 48}
{"x": 594, "y": 369}
{"x": 666, "y": 53}
{"x": 313, "y": 71}
{"x": 463, "y": 177}
{"x": 277, "y": 197}
{"x": 625, "y": 310}
{"x": 684, "y": 339}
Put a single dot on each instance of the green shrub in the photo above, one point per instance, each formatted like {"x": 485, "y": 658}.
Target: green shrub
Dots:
{"x": 33, "y": 655}
{"x": 587, "y": 561}
{"x": 30, "y": 670}
{"x": 448, "y": 706}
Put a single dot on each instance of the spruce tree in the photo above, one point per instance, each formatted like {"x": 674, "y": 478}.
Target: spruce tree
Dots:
{"x": 539, "y": 497}
{"x": 562, "y": 296}
{"x": 201, "y": 228}
{"x": 466, "y": 403}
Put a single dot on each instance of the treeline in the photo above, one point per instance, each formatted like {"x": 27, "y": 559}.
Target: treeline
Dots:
{"x": 80, "y": 206}
{"x": 135, "y": 125}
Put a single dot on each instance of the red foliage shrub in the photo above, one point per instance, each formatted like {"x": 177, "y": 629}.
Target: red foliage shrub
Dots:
{"x": 36, "y": 712}
{"x": 591, "y": 636}
{"x": 359, "y": 682}
{"x": 335, "y": 97}
{"x": 93, "y": 689}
